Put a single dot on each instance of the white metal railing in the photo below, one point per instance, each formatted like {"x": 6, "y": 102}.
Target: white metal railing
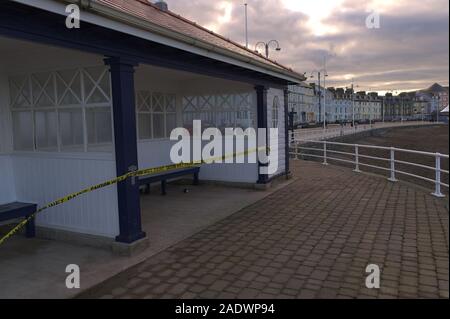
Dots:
{"x": 332, "y": 132}
{"x": 305, "y": 148}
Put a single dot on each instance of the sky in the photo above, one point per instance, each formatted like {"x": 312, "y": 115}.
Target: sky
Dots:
{"x": 404, "y": 46}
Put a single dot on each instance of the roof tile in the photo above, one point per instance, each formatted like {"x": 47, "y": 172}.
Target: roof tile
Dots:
{"x": 174, "y": 22}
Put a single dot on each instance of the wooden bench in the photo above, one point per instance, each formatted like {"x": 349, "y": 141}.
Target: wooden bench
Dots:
{"x": 19, "y": 210}
{"x": 163, "y": 177}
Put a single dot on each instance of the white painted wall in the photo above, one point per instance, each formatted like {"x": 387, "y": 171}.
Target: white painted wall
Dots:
{"x": 7, "y": 183}
{"x": 42, "y": 178}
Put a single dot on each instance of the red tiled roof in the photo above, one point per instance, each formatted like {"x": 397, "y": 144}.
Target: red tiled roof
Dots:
{"x": 147, "y": 11}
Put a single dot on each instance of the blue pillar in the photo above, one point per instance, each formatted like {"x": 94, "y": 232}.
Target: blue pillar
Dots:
{"x": 122, "y": 80}
{"x": 261, "y": 104}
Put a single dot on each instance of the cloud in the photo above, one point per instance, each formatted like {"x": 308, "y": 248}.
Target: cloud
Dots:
{"x": 410, "y": 50}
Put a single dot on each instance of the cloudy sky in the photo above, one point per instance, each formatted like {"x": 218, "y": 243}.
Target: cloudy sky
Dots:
{"x": 409, "y": 50}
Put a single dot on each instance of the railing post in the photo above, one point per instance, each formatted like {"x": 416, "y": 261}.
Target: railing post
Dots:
{"x": 392, "y": 161}
{"x": 325, "y": 153}
{"x": 437, "y": 191}
{"x": 357, "y": 170}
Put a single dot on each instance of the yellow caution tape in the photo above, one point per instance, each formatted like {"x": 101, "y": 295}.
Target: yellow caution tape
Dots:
{"x": 143, "y": 172}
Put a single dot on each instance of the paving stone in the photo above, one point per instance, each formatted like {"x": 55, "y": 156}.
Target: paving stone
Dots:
{"x": 310, "y": 239}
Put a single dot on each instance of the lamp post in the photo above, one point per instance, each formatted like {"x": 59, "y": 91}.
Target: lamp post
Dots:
{"x": 353, "y": 103}
{"x": 246, "y": 25}
{"x": 267, "y": 46}
{"x": 437, "y": 108}
{"x": 384, "y": 104}
{"x": 325, "y": 75}
{"x": 402, "y": 107}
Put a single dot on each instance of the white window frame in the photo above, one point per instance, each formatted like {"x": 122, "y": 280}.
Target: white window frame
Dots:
{"x": 239, "y": 106}
{"x": 275, "y": 111}
{"x": 148, "y": 109}
{"x": 57, "y": 107}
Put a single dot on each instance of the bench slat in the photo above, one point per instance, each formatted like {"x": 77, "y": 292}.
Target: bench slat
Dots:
{"x": 19, "y": 210}
{"x": 16, "y": 210}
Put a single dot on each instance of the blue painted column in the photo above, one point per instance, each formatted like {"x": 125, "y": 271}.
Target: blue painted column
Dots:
{"x": 122, "y": 80}
{"x": 286, "y": 126}
{"x": 261, "y": 105}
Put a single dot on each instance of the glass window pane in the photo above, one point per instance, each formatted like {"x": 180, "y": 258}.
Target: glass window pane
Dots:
{"x": 43, "y": 87}
{"x": 171, "y": 103}
{"x": 145, "y": 126}
{"x": 171, "y": 123}
{"x": 99, "y": 127}
{"x": 97, "y": 85}
{"x": 71, "y": 129}
{"x": 158, "y": 125}
{"x": 45, "y": 126}
{"x": 158, "y": 102}
{"x": 68, "y": 84}
{"x": 23, "y": 131}
{"x": 20, "y": 91}
{"x": 275, "y": 112}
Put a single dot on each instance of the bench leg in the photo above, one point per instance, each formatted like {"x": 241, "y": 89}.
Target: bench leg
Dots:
{"x": 147, "y": 189}
{"x": 163, "y": 188}
{"x": 196, "y": 180}
{"x": 30, "y": 228}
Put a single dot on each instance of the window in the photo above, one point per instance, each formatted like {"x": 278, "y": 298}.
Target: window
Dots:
{"x": 221, "y": 111}
{"x": 65, "y": 110}
{"x": 71, "y": 127}
{"x": 275, "y": 110}
{"x": 156, "y": 115}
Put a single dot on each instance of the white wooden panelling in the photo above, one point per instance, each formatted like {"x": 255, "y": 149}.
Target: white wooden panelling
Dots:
{"x": 5, "y": 116}
{"x": 157, "y": 153}
{"x": 238, "y": 173}
{"x": 7, "y": 184}
{"x": 43, "y": 178}
{"x": 154, "y": 153}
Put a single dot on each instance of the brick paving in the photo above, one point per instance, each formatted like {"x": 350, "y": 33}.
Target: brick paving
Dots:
{"x": 311, "y": 239}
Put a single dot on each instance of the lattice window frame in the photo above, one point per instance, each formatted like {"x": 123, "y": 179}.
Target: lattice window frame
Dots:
{"x": 166, "y": 106}
{"x": 55, "y": 78}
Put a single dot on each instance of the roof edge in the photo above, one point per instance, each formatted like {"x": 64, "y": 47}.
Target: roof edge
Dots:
{"x": 131, "y": 20}
{"x": 193, "y": 23}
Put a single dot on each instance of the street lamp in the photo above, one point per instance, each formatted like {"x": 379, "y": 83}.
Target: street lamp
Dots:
{"x": 325, "y": 75}
{"x": 353, "y": 102}
{"x": 437, "y": 107}
{"x": 384, "y": 103}
{"x": 267, "y": 46}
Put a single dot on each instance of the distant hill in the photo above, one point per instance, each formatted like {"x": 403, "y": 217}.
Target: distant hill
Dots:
{"x": 436, "y": 88}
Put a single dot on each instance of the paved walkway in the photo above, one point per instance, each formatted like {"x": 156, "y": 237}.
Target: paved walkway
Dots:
{"x": 311, "y": 239}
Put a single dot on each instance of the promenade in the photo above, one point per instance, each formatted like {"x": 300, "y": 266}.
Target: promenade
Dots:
{"x": 311, "y": 239}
